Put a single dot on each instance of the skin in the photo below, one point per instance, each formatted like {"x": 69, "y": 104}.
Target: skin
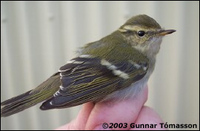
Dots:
{"x": 91, "y": 116}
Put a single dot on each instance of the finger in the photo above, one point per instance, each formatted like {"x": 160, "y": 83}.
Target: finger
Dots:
{"x": 148, "y": 119}
{"x": 125, "y": 111}
{"x": 80, "y": 121}
{"x": 83, "y": 115}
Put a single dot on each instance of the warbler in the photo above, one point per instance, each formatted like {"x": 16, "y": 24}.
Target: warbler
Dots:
{"x": 114, "y": 67}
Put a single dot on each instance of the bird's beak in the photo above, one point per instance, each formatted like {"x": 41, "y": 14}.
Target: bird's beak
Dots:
{"x": 165, "y": 32}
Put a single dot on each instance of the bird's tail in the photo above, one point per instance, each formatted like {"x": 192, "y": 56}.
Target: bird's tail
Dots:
{"x": 43, "y": 92}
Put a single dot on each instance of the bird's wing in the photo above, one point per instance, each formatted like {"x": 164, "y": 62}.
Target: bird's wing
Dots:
{"x": 84, "y": 78}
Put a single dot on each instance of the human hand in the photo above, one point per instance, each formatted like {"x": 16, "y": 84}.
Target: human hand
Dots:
{"x": 92, "y": 116}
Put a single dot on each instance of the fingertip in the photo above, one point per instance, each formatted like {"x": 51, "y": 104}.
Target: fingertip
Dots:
{"x": 80, "y": 121}
{"x": 150, "y": 117}
{"x": 84, "y": 114}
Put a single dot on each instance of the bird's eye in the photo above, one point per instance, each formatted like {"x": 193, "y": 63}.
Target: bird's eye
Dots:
{"x": 141, "y": 33}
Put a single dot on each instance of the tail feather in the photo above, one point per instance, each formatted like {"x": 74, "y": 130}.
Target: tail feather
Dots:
{"x": 11, "y": 100}
{"x": 16, "y": 106}
{"x": 19, "y": 103}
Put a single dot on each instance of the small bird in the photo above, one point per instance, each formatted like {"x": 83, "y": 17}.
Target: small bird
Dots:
{"x": 114, "y": 67}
